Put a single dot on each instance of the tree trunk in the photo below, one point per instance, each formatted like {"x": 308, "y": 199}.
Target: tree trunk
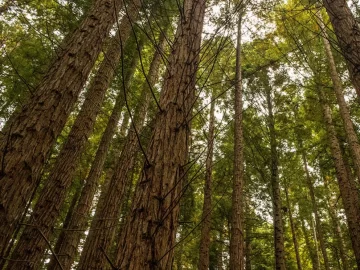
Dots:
{"x": 351, "y": 135}
{"x": 103, "y": 227}
{"x": 237, "y": 232}
{"x": 149, "y": 235}
{"x": 70, "y": 239}
{"x": 347, "y": 31}
{"x": 248, "y": 237}
{"x": 276, "y": 197}
{"x": 348, "y": 191}
{"x": 293, "y": 231}
{"x": 319, "y": 231}
{"x": 336, "y": 228}
{"x": 27, "y": 140}
{"x": 32, "y": 243}
{"x": 204, "y": 257}
{"x": 312, "y": 253}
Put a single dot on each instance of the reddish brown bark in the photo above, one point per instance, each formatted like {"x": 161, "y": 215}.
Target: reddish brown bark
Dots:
{"x": 237, "y": 233}
{"x": 149, "y": 233}
{"x": 351, "y": 135}
{"x": 104, "y": 224}
{"x": 28, "y": 138}
{"x": 204, "y": 257}
{"x": 275, "y": 185}
{"x": 347, "y": 187}
{"x": 347, "y": 31}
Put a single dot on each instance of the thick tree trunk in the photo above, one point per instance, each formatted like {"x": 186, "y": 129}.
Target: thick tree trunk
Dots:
{"x": 348, "y": 191}
{"x": 106, "y": 219}
{"x": 319, "y": 230}
{"x": 68, "y": 243}
{"x": 347, "y": 31}
{"x": 351, "y": 135}
{"x": 237, "y": 232}
{"x": 204, "y": 256}
{"x": 312, "y": 253}
{"x": 275, "y": 185}
{"x": 293, "y": 231}
{"x": 149, "y": 234}
{"x": 27, "y": 140}
{"x": 32, "y": 243}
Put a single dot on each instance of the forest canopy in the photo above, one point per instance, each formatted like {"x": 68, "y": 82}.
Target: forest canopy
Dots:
{"x": 187, "y": 134}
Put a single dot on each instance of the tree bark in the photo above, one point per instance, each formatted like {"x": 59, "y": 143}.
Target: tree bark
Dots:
{"x": 347, "y": 31}
{"x": 106, "y": 219}
{"x": 293, "y": 230}
{"x": 319, "y": 230}
{"x": 276, "y": 197}
{"x": 28, "y": 138}
{"x": 149, "y": 234}
{"x": 237, "y": 232}
{"x": 312, "y": 253}
{"x": 32, "y": 242}
{"x": 204, "y": 256}
{"x": 348, "y": 191}
{"x": 351, "y": 135}
{"x": 68, "y": 243}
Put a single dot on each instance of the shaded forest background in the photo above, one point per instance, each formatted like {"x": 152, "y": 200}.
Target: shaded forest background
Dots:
{"x": 179, "y": 134}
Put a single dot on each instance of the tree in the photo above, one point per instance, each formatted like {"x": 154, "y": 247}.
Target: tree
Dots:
{"x": 45, "y": 114}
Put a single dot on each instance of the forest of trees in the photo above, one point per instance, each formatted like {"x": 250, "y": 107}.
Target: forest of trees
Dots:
{"x": 179, "y": 134}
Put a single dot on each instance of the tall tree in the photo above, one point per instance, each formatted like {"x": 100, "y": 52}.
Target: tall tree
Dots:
{"x": 237, "y": 232}
{"x": 275, "y": 187}
{"x": 204, "y": 256}
{"x": 27, "y": 138}
{"x": 32, "y": 242}
{"x": 149, "y": 234}
{"x": 348, "y": 191}
{"x": 104, "y": 224}
{"x": 347, "y": 31}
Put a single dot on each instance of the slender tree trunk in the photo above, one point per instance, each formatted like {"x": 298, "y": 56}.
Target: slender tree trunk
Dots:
{"x": 347, "y": 31}
{"x": 204, "y": 257}
{"x": 48, "y": 206}
{"x": 348, "y": 191}
{"x": 27, "y": 140}
{"x": 237, "y": 232}
{"x": 313, "y": 253}
{"x": 293, "y": 231}
{"x": 248, "y": 237}
{"x": 103, "y": 227}
{"x": 220, "y": 251}
{"x": 70, "y": 239}
{"x": 351, "y": 135}
{"x": 276, "y": 196}
{"x": 319, "y": 230}
{"x": 149, "y": 235}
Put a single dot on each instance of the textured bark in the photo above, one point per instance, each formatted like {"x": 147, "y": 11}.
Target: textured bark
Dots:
{"x": 248, "y": 236}
{"x": 27, "y": 140}
{"x": 351, "y": 135}
{"x": 47, "y": 209}
{"x": 293, "y": 231}
{"x": 204, "y": 257}
{"x": 318, "y": 227}
{"x": 106, "y": 219}
{"x": 348, "y": 191}
{"x": 310, "y": 248}
{"x": 347, "y": 31}
{"x": 149, "y": 233}
{"x": 70, "y": 239}
{"x": 275, "y": 185}
{"x": 237, "y": 233}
